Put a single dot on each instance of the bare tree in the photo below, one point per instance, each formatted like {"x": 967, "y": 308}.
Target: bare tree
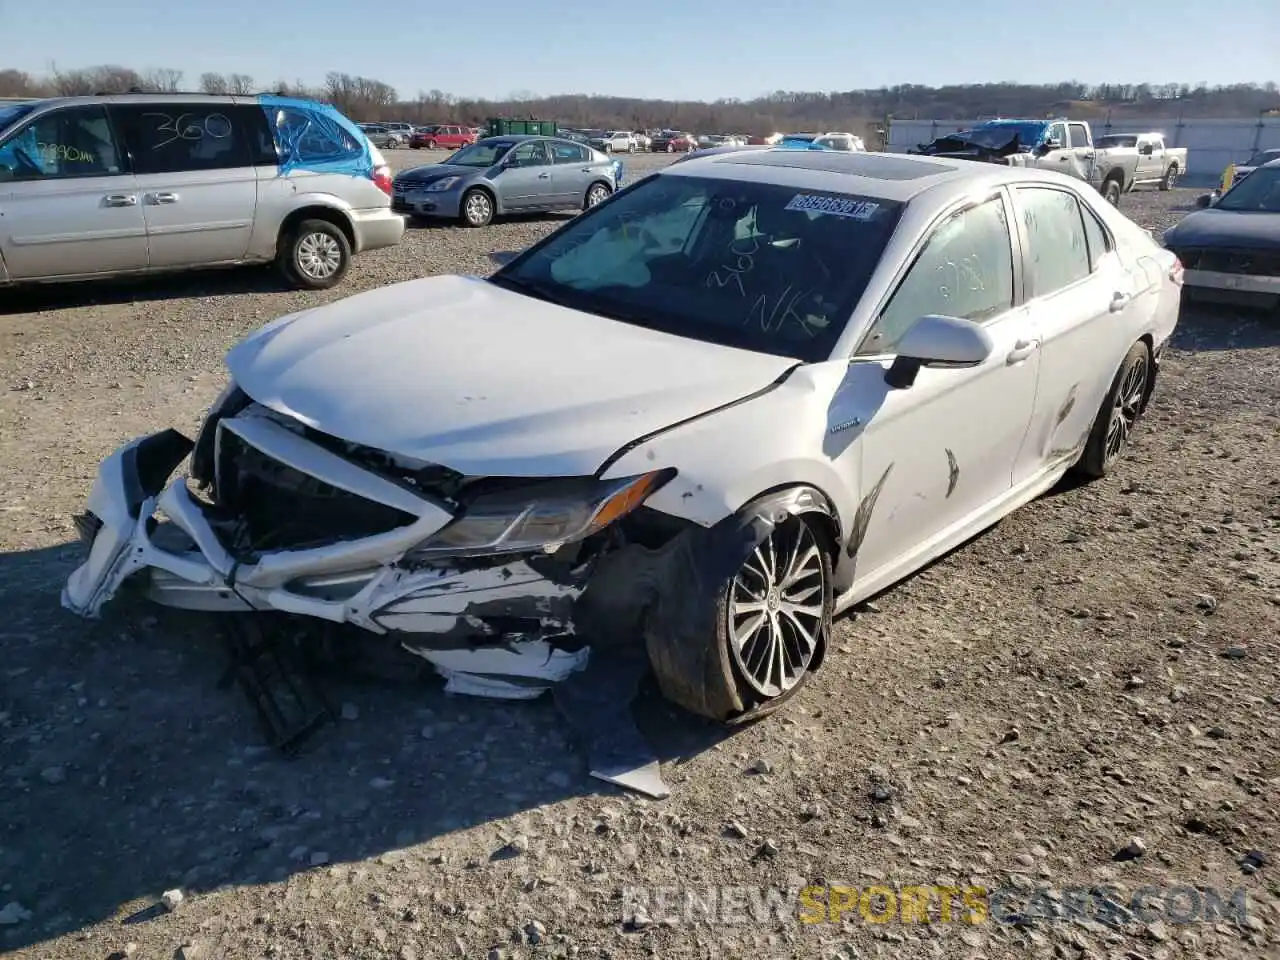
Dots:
{"x": 213, "y": 83}
{"x": 162, "y": 80}
{"x": 241, "y": 84}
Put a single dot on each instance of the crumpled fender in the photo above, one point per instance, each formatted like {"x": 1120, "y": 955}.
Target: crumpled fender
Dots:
{"x": 670, "y": 596}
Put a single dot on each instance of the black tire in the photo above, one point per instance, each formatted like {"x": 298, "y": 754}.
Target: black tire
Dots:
{"x": 1170, "y": 178}
{"x": 314, "y": 255}
{"x": 476, "y": 208}
{"x": 731, "y": 667}
{"x": 1111, "y": 190}
{"x": 1121, "y": 409}
{"x": 596, "y": 194}
{"x": 431, "y": 144}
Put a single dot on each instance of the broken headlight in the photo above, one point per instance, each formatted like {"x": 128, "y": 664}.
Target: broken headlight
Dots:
{"x": 229, "y": 403}
{"x": 540, "y": 515}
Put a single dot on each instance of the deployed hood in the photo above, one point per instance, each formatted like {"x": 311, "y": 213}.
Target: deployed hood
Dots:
{"x": 458, "y": 372}
{"x": 1226, "y": 228}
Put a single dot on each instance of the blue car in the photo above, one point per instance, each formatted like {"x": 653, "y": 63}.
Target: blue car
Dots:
{"x": 511, "y": 174}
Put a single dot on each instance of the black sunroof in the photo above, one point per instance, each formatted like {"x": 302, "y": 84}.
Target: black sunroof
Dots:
{"x": 830, "y": 161}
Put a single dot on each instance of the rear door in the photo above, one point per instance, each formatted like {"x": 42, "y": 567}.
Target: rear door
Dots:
{"x": 1079, "y": 295}
{"x": 68, "y": 204}
{"x": 196, "y": 174}
{"x": 572, "y": 172}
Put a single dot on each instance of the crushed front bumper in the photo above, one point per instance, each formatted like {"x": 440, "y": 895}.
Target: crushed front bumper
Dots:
{"x": 485, "y": 629}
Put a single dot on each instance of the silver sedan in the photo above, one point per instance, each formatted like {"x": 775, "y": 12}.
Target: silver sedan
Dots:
{"x": 500, "y": 175}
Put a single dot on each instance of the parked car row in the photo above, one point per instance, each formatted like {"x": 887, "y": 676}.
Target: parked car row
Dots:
{"x": 1111, "y": 164}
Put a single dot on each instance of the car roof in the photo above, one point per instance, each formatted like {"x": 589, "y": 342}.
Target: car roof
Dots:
{"x": 889, "y": 176}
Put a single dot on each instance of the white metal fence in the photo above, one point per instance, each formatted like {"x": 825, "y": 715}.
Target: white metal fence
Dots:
{"x": 1211, "y": 144}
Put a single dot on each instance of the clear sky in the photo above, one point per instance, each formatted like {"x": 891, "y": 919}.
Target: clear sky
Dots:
{"x": 674, "y": 49}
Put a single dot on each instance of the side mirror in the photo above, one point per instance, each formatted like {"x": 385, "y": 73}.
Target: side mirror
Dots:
{"x": 1050, "y": 145}
{"x": 1204, "y": 200}
{"x": 503, "y": 257}
{"x": 1147, "y": 150}
{"x": 938, "y": 341}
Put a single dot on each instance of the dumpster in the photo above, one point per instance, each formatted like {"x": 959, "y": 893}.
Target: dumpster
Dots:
{"x": 507, "y": 126}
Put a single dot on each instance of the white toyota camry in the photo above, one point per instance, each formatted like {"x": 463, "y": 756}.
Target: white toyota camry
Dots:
{"x": 698, "y": 420}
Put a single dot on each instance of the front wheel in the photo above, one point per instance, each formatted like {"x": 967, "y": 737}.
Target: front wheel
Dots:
{"x": 671, "y": 148}
{"x": 315, "y": 255}
{"x": 772, "y": 622}
{"x": 1170, "y": 178}
{"x": 477, "y": 208}
{"x": 431, "y": 144}
{"x": 1118, "y": 415}
{"x": 1111, "y": 191}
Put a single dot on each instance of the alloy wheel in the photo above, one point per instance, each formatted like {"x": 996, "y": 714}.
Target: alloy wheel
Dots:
{"x": 319, "y": 256}
{"x": 776, "y": 609}
{"x": 596, "y": 195}
{"x": 1125, "y": 410}
{"x": 478, "y": 208}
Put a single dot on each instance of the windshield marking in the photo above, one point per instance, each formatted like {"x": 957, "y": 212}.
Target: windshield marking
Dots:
{"x": 744, "y": 263}
{"x": 784, "y": 312}
{"x": 862, "y": 210}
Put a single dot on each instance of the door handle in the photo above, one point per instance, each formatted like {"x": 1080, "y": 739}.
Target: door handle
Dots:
{"x": 1021, "y": 350}
{"x": 1119, "y": 300}
{"x": 121, "y": 200}
{"x": 163, "y": 198}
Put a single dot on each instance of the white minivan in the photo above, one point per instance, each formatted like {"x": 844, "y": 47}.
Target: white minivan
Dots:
{"x": 135, "y": 183}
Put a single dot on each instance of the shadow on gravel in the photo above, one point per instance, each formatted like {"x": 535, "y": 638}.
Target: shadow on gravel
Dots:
{"x": 1205, "y": 326}
{"x": 439, "y": 223}
{"x": 176, "y": 286}
{"x": 126, "y": 771}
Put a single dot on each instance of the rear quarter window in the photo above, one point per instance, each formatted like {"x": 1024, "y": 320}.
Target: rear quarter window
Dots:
{"x": 310, "y": 136}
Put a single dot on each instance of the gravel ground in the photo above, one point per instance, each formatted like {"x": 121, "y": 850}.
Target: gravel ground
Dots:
{"x": 1099, "y": 673}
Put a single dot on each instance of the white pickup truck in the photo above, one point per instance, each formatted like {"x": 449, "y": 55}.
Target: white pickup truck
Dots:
{"x": 1157, "y": 164}
{"x": 1066, "y": 146}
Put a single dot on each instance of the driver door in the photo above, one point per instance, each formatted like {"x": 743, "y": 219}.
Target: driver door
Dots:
{"x": 68, "y": 204}
{"x": 525, "y": 181}
{"x": 931, "y": 458}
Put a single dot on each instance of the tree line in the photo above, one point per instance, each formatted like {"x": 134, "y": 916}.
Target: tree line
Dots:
{"x": 859, "y": 111}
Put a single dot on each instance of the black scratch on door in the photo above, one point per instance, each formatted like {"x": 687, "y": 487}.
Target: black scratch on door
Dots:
{"x": 862, "y": 519}
{"x": 953, "y": 469}
{"x": 1067, "y": 407}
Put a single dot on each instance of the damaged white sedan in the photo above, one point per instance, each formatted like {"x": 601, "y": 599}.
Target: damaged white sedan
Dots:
{"x": 696, "y": 422}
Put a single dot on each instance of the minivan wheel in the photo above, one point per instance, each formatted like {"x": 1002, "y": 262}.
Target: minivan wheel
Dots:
{"x": 597, "y": 193}
{"x": 477, "y": 208}
{"x": 315, "y": 256}
{"x": 1118, "y": 415}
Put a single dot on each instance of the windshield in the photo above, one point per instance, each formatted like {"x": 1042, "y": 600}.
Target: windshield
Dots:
{"x": 751, "y": 265}
{"x": 483, "y": 154}
{"x": 1257, "y": 193}
{"x": 1261, "y": 157}
{"x": 11, "y": 112}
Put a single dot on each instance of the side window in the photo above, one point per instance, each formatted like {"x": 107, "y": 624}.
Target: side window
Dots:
{"x": 1057, "y": 131}
{"x": 170, "y": 137}
{"x": 73, "y": 142}
{"x": 1079, "y": 135}
{"x": 565, "y": 152}
{"x": 1096, "y": 234}
{"x": 965, "y": 270}
{"x": 252, "y": 120}
{"x": 1057, "y": 254}
{"x": 308, "y": 136}
{"x": 533, "y": 154}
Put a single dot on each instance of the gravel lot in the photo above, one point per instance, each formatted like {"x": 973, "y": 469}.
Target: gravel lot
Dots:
{"x": 1102, "y": 666}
